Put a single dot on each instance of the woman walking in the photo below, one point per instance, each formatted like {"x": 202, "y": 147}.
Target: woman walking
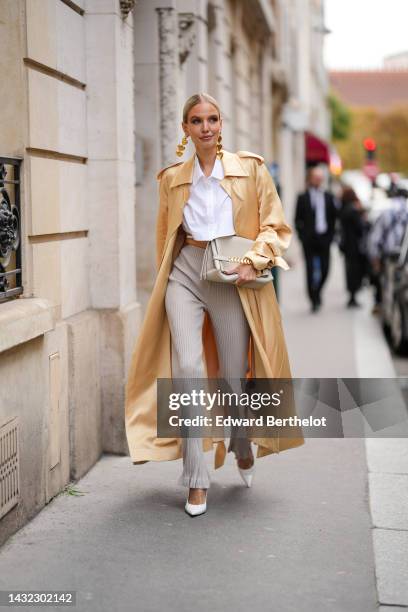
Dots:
{"x": 354, "y": 229}
{"x": 194, "y": 328}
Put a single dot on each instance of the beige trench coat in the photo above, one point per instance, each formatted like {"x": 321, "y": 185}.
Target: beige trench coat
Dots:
{"x": 258, "y": 215}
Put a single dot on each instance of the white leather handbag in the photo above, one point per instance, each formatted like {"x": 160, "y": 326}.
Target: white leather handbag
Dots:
{"x": 225, "y": 253}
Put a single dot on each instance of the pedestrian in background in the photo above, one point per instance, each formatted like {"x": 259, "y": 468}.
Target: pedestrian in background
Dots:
{"x": 386, "y": 236}
{"x": 354, "y": 230}
{"x": 389, "y": 229}
{"x": 315, "y": 221}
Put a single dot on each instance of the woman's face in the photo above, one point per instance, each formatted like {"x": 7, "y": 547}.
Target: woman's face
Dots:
{"x": 203, "y": 126}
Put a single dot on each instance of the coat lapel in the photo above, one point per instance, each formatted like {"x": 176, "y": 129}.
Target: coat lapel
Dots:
{"x": 310, "y": 206}
{"x": 230, "y": 162}
{"x": 327, "y": 206}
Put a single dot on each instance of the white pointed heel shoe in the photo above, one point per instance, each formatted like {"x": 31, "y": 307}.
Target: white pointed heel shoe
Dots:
{"x": 247, "y": 475}
{"x": 196, "y": 509}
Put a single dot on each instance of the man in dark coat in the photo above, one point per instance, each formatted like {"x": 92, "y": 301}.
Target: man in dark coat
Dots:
{"x": 315, "y": 221}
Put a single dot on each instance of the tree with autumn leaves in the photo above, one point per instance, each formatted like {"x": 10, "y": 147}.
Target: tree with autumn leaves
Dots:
{"x": 350, "y": 126}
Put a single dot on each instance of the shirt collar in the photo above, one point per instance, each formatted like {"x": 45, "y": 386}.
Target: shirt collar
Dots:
{"x": 217, "y": 171}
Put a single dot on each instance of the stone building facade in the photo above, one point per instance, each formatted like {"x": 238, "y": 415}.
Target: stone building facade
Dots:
{"x": 90, "y": 113}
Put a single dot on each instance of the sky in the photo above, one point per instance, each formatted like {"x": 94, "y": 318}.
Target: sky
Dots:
{"x": 363, "y": 32}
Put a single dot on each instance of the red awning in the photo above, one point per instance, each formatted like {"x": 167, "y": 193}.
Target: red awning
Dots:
{"x": 316, "y": 150}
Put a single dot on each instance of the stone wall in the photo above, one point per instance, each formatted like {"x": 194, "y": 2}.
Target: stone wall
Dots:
{"x": 66, "y": 343}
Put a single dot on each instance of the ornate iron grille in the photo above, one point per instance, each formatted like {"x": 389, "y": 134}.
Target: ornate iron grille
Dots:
{"x": 10, "y": 242}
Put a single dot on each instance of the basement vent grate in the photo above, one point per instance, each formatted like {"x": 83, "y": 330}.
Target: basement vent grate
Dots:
{"x": 9, "y": 466}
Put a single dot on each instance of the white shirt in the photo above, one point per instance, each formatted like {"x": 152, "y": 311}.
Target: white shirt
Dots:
{"x": 319, "y": 205}
{"x": 208, "y": 211}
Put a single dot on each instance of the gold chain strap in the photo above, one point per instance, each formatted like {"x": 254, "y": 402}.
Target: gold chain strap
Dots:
{"x": 242, "y": 260}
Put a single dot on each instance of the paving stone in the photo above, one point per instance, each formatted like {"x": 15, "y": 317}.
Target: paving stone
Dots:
{"x": 389, "y": 500}
{"x": 391, "y": 554}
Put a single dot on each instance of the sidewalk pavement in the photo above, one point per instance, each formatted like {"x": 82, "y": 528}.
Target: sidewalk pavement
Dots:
{"x": 299, "y": 539}
{"x": 338, "y": 342}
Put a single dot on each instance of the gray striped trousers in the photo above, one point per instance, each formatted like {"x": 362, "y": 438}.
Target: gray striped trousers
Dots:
{"x": 187, "y": 299}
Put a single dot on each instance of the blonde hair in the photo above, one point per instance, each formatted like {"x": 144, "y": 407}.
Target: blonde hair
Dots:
{"x": 196, "y": 99}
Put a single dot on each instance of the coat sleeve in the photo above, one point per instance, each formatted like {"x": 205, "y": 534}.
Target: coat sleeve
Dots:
{"x": 162, "y": 216}
{"x": 274, "y": 233}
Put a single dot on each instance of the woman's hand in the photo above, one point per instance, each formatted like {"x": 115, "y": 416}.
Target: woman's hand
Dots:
{"x": 246, "y": 272}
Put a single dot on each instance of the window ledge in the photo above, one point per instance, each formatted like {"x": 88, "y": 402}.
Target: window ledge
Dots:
{"x": 23, "y": 319}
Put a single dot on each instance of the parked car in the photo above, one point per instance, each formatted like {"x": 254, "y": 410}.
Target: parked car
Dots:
{"x": 394, "y": 309}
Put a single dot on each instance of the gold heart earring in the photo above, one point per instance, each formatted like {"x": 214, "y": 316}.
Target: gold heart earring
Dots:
{"x": 181, "y": 147}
